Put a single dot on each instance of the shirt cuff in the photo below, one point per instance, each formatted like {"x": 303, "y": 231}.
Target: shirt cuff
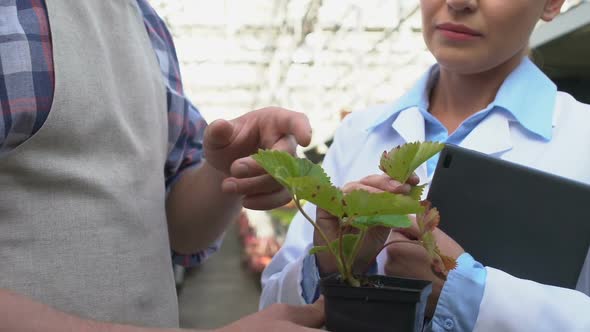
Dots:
{"x": 310, "y": 280}
{"x": 458, "y": 304}
{"x": 196, "y": 259}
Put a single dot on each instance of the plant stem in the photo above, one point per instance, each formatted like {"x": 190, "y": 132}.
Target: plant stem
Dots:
{"x": 341, "y": 251}
{"x": 416, "y": 242}
{"x": 339, "y": 261}
{"x": 357, "y": 246}
{"x": 315, "y": 225}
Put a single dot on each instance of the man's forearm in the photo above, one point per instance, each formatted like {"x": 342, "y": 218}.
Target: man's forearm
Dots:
{"x": 198, "y": 211}
{"x": 19, "y": 313}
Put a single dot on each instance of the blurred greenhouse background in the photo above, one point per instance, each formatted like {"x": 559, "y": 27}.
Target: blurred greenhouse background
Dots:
{"x": 324, "y": 58}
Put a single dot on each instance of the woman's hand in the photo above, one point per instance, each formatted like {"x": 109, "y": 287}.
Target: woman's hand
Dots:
{"x": 411, "y": 261}
{"x": 376, "y": 236}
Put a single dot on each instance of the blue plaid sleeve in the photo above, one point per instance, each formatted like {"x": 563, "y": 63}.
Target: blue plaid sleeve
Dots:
{"x": 26, "y": 71}
{"x": 185, "y": 124}
{"x": 27, "y": 83}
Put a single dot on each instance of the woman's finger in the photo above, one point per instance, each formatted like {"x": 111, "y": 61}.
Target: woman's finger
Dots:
{"x": 414, "y": 180}
{"x": 352, "y": 186}
{"x": 385, "y": 183}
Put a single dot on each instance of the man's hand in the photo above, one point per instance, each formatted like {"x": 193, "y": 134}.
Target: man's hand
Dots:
{"x": 411, "y": 261}
{"x": 376, "y": 236}
{"x": 229, "y": 144}
{"x": 282, "y": 318}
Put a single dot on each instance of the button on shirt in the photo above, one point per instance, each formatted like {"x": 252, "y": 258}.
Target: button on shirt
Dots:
{"x": 27, "y": 84}
{"x": 527, "y": 96}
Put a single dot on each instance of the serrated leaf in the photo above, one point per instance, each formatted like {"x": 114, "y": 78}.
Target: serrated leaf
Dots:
{"x": 417, "y": 191}
{"x": 390, "y": 221}
{"x": 281, "y": 165}
{"x": 318, "y": 249}
{"x": 402, "y": 161}
{"x": 314, "y": 190}
{"x": 429, "y": 219}
{"x": 449, "y": 262}
{"x": 362, "y": 203}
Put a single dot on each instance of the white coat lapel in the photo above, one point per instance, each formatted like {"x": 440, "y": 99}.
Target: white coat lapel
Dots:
{"x": 409, "y": 124}
{"x": 491, "y": 136}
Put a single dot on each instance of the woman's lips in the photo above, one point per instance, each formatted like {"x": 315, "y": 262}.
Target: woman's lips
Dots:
{"x": 458, "y": 32}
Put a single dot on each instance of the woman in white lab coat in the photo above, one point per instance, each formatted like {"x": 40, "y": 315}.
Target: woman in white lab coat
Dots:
{"x": 483, "y": 94}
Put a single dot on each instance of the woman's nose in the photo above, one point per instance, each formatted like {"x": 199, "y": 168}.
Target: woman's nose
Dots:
{"x": 462, "y": 5}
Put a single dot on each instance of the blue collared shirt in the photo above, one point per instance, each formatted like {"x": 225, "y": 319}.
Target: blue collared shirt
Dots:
{"x": 527, "y": 96}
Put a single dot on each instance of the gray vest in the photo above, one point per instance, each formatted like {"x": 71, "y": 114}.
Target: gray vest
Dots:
{"x": 82, "y": 217}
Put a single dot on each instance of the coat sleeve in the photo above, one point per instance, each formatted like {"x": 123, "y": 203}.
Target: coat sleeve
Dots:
{"x": 281, "y": 280}
{"x": 513, "y": 304}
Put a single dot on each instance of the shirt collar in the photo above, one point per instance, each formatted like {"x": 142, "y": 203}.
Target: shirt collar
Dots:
{"x": 526, "y": 94}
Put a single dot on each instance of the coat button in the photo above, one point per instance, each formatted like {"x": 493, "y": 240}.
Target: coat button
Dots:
{"x": 449, "y": 324}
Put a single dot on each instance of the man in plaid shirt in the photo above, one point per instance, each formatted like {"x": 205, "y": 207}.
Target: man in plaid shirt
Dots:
{"x": 102, "y": 171}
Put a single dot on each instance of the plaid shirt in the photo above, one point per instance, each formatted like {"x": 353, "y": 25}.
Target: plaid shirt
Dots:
{"x": 27, "y": 85}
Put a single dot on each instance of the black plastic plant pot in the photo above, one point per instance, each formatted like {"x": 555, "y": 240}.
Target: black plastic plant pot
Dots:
{"x": 387, "y": 304}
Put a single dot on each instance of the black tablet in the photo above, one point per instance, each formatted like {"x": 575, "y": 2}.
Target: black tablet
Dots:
{"x": 531, "y": 224}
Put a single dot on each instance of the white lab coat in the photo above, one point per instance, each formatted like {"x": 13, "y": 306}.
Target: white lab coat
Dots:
{"x": 509, "y": 303}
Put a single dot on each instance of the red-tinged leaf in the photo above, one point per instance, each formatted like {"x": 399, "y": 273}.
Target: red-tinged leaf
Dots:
{"x": 438, "y": 269}
{"x": 449, "y": 262}
{"x": 429, "y": 219}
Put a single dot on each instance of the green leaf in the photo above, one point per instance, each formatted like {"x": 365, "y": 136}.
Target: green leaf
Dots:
{"x": 390, "y": 221}
{"x": 317, "y": 249}
{"x": 313, "y": 190}
{"x": 403, "y": 160}
{"x": 281, "y": 165}
{"x": 362, "y": 203}
{"x": 417, "y": 191}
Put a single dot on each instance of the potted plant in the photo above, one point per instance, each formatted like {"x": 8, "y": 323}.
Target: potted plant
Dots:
{"x": 360, "y": 302}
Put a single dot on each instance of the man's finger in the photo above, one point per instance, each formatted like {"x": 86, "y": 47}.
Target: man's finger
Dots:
{"x": 293, "y": 123}
{"x": 267, "y": 201}
{"x": 286, "y": 143}
{"x": 218, "y": 134}
{"x": 257, "y": 185}
{"x": 246, "y": 168}
{"x": 311, "y": 315}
